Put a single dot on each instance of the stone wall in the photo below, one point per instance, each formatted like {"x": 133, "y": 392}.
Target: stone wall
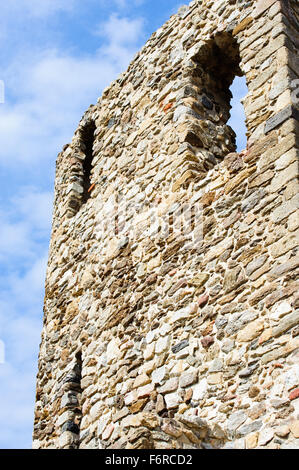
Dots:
{"x": 171, "y": 305}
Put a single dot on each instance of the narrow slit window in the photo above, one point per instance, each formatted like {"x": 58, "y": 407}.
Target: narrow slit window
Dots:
{"x": 87, "y": 139}
{"x": 78, "y": 411}
{"x": 237, "y": 114}
{"x": 71, "y": 401}
{"x": 219, "y": 78}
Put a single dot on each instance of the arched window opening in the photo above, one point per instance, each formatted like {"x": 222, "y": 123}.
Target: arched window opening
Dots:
{"x": 237, "y": 119}
{"x": 87, "y": 141}
{"x": 217, "y": 66}
{"x": 80, "y": 174}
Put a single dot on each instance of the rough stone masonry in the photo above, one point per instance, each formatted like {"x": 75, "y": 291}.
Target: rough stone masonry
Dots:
{"x": 171, "y": 304}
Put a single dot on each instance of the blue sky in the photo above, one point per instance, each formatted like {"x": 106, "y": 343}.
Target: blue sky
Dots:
{"x": 56, "y": 58}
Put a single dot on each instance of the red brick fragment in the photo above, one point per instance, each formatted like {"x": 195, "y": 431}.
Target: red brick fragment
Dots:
{"x": 228, "y": 397}
{"x": 203, "y": 300}
{"x": 207, "y": 341}
{"x": 294, "y": 394}
{"x": 167, "y": 107}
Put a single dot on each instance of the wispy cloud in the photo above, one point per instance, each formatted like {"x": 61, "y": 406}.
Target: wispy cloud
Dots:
{"x": 24, "y": 223}
{"x": 37, "y": 7}
{"x": 52, "y": 88}
{"x": 48, "y": 89}
{"x": 121, "y": 4}
{"x": 121, "y": 30}
{"x": 23, "y": 255}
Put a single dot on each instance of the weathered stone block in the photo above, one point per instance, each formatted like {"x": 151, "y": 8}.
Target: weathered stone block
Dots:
{"x": 262, "y": 6}
{"x": 286, "y": 323}
{"x": 170, "y": 386}
{"x": 283, "y": 268}
{"x": 251, "y": 331}
{"x": 188, "y": 379}
{"x": 172, "y": 400}
{"x": 280, "y": 352}
{"x": 284, "y": 245}
{"x": 285, "y": 209}
{"x": 287, "y": 113}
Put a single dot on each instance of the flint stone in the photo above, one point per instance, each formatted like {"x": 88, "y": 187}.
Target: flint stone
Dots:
{"x": 291, "y": 377}
{"x": 159, "y": 375}
{"x": 251, "y": 331}
{"x": 66, "y": 416}
{"x": 288, "y": 112}
{"x": 70, "y": 426}
{"x": 183, "y": 11}
{"x": 188, "y": 379}
{"x": 162, "y": 344}
{"x": 171, "y": 385}
{"x": 290, "y": 445}
{"x": 284, "y": 210}
{"x": 192, "y": 422}
{"x": 67, "y": 438}
{"x": 248, "y": 371}
{"x": 238, "y": 320}
{"x": 256, "y": 264}
{"x": 200, "y": 389}
{"x": 172, "y": 400}
{"x": 179, "y": 346}
{"x": 286, "y": 323}
{"x": 216, "y": 366}
{"x": 207, "y": 103}
{"x": 233, "y": 279}
{"x": 227, "y": 345}
{"x": 247, "y": 428}
{"x": 235, "y": 420}
{"x": 252, "y": 201}
{"x": 220, "y": 322}
{"x": 265, "y": 436}
{"x": 69, "y": 399}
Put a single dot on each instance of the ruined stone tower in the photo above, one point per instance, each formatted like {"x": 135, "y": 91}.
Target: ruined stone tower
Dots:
{"x": 171, "y": 305}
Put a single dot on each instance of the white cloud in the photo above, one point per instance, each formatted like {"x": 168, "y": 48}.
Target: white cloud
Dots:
{"x": 121, "y": 30}
{"x": 20, "y": 330}
{"x": 35, "y": 207}
{"x": 47, "y": 92}
{"x": 121, "y": 4}
{"x": 28, "y": 288}
{"x": 53, "y": 88}
{"x": 17, "y": 388}
{"x": 37, "y": 7}
{"x": 25, "y": 220}
{"x": 14, "y": 239}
